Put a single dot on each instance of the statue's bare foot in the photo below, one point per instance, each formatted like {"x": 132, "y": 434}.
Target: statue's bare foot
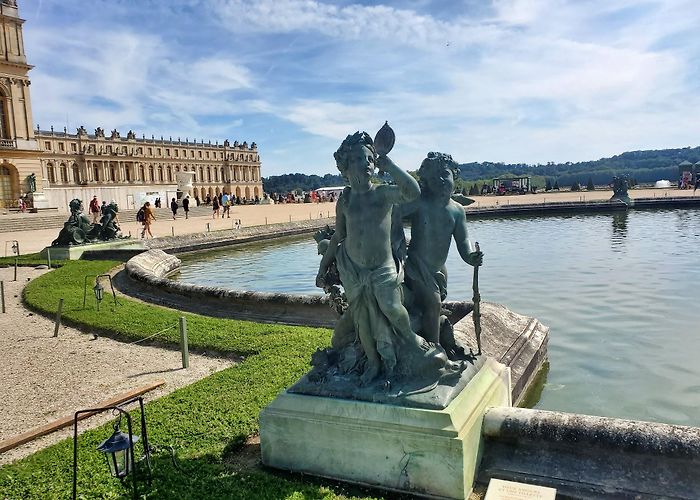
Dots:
{"x": 370, "y": 373}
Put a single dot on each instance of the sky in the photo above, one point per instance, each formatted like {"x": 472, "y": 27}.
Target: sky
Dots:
{"x": 515, "y": 81}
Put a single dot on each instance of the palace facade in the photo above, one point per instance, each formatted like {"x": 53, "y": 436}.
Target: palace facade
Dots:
{"x": 51, "y": 168}
{"x": 131, "y": 170}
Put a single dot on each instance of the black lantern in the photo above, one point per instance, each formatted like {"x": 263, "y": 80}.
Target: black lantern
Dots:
{"x": 118, "y": 449}
{"x": 119, "y": 452}
{"x": 99, "y": 292}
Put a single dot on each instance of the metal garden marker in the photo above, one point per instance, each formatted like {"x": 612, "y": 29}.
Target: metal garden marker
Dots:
{"x": 58, "y": 317}
{"x": 2, "y": 295}
{"x": 184, "y": 346}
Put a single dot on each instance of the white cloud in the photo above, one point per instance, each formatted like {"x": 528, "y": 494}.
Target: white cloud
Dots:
{"x": 516, "y": 80}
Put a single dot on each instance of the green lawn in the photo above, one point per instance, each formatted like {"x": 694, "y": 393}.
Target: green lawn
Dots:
{"x": 207, "y": 422}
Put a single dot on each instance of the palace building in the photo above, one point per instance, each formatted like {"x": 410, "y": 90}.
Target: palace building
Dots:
{"x": 50, "y": 168}
{"x": 131, "y": 170}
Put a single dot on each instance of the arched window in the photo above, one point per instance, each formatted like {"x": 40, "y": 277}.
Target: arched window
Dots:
{"x": 96, "y": 173}
{"x": 142, "y": 174}
{"x": 51, "y": 173}
{"x": 4, "y": 125}
{"x": 160, "y": 173}
{"x": 6, "y": 194}
{"x": 170, "y": 174}
{"x": 64, "y": 174}
{"x": 76, "y": 173}
{"x": 151, "y": 173}
{"x": 113, "y": 173}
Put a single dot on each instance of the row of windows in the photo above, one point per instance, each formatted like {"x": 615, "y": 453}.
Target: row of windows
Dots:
{"x": 158, "y": 174}
{"x": 176, "y": 153}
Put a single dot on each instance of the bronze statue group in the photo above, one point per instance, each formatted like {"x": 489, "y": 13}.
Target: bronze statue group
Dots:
{"x": 393, "y": 327}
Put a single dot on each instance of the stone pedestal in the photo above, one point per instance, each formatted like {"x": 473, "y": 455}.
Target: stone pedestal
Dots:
{"x": 424, "y": 452}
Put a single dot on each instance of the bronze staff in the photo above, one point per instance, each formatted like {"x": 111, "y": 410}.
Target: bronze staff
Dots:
{"x": 476, "y": 313}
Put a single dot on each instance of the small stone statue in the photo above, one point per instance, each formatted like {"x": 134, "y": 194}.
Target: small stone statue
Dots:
{"x": 31, "y": 183}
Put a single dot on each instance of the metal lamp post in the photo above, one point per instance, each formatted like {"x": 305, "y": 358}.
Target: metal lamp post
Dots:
{"x": 98, "y": 289}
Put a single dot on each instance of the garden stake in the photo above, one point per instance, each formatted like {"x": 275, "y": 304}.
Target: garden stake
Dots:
{"x": 58, "y": 317}
{"x": 48, "y": 256}
{"x": 184, "y": 348}
{"x": 2, "y": 295}
{"x": 15, "y": 270}
{"x": 476, "y": 314}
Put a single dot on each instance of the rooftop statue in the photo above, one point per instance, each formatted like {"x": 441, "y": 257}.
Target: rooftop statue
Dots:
{"x": 375, "y": 355}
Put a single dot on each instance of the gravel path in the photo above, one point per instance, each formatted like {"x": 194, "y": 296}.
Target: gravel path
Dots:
{"x": 43, "y": 378}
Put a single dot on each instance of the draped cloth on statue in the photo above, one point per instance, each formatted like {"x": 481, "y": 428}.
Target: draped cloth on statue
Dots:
{"x": 361, "y": 288}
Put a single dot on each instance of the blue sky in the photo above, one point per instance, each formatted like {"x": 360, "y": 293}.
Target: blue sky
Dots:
{"x": 502, "y": 80}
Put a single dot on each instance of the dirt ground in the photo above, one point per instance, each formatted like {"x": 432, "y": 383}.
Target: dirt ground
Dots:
{"x": 44, "y": 378}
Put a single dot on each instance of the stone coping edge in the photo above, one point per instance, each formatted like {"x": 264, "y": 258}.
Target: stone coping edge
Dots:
{"x": 215, "y": 239}
{"x": 591, "y": 457}
{"x": 154, "y": 266}
{"x": 512, "y": 424}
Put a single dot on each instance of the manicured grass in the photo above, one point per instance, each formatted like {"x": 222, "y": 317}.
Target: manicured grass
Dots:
{"x": 207, "y": 422}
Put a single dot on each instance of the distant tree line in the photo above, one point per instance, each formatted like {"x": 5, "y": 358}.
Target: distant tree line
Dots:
{"x": 640, "y": 166}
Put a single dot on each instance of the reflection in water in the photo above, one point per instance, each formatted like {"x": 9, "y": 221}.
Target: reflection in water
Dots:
{"x": 619, "y": 229}
{"x": 624, "y": 330}
{"x": 534, "y": 393}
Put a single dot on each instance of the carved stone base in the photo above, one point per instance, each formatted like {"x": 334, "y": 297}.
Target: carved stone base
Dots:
{"x": 423, "y": 452}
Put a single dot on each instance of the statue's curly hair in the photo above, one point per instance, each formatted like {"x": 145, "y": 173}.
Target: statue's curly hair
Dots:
{"x": 435, "y": 161}
{"x": 342, "y": 155}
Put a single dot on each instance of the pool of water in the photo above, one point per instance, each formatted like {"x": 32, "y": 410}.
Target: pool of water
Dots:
{"x": 621, "y": 294}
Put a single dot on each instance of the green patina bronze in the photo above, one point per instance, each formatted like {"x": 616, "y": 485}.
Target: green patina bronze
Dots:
{"x": 620, "y": 186}
{"x": 78, "y": 229}
{"x": 435, "y": 220}
{"x": 391, "y": 343}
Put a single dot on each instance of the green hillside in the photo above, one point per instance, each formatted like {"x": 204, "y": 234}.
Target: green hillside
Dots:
{"x": 643, "y": 166}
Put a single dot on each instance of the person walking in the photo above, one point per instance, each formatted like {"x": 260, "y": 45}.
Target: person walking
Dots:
{"x": 145, "y": 214}
{"x": 173, "y": 207}
{"x": 215, "y": 207}
{"x": 186, "y": 206}
{"x": 226, "y": 204}
{"x": 95, "y": 209}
